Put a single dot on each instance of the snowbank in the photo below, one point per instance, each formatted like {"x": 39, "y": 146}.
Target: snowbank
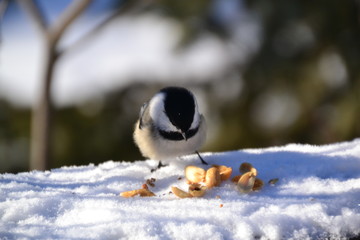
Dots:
{"x": 317, "y": 196}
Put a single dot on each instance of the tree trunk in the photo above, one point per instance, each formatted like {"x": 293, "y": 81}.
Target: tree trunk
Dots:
{"x": 41, "y": 124}
{"x": 41, "y": 115}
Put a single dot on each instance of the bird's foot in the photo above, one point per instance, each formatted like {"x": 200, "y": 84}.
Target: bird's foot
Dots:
{"x": 160, "y": 165}
{"x": 201, "y": 159}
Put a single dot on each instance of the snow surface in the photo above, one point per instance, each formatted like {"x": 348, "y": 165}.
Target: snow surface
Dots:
{"x": 317, "y": 197}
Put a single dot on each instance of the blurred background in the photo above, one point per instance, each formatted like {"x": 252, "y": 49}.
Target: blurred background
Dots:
{"x": 265, "y": 73}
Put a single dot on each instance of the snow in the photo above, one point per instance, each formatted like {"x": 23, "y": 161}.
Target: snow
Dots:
{"x": 317, "y": 197}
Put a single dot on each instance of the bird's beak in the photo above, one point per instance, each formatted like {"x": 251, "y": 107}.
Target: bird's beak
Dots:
{"x": 184, "y": 136}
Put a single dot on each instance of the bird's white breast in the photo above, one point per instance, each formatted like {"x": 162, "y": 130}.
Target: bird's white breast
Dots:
{"x": 163, "y": 149}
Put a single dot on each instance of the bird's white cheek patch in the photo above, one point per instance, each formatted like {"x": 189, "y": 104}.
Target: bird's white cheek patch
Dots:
{"x": 157, "y": 113}
{"x": 196, "y": 120}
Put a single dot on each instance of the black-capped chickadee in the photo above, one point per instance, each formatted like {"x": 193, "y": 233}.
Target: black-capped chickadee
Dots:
{"x": 170, "y": 125}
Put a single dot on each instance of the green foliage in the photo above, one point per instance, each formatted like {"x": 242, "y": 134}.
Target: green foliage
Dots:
{"x": 14, "y": 138}
{"x": 194, "y": 17}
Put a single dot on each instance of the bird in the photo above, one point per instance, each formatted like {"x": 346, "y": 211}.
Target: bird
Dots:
{"x": 170, "y": 126}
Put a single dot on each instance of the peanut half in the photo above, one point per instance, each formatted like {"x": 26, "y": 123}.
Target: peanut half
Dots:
{"x": 195, "y": 174}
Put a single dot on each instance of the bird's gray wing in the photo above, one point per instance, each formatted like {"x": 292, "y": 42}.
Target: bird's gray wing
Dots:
{"x": 142, "y": 114}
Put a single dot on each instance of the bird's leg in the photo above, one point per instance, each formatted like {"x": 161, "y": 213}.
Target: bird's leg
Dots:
{"x": 160, "y": 165}
{"x": 202, "y": 160}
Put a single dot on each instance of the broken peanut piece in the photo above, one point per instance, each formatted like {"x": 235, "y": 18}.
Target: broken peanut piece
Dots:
{"x": 258, "y": 184}
{"x": 141, "y": 192}
{"x": 212, "y": 177}
{"x": 180, "y": 193}
{"x": 246, "y": 182}
{"x": 236, "y": 178}
{"x": 196, "y": 190}
{"x": 195, "y": 174}
{"x": 273, "y": 181}
{"x": 247, "y": 167}
{"x": 225, "y": 172}
{"x": 150, "y": 182}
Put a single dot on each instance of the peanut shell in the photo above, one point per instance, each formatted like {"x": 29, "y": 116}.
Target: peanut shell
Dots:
{"x": 225, "y": 172}
{"x": 212, "y": 177}
{"x": 195, "y": 174}
{"x": 246, "y": 182}
{"x": 180, "y": 193}
{"x": 141, "y": 192}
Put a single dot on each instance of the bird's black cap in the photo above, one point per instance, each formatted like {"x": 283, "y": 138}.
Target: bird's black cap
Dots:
{"x": 179, "y": 106}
